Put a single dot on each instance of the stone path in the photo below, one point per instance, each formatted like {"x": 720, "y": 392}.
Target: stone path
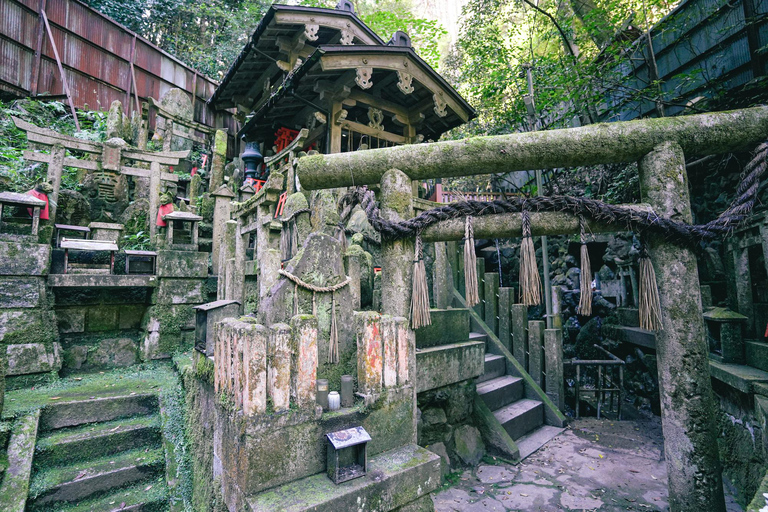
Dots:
{"x": 594, "y": 465}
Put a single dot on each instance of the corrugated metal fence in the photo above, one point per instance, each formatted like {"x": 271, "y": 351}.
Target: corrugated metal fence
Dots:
{"x": 100, "y": 59}
{"x": 702, "y": 48}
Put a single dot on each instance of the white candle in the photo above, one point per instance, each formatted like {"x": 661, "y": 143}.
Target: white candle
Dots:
{"x": 334, "y": 401}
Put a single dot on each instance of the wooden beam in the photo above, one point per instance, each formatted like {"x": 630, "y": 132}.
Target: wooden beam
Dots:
{"x": 34, "y": 87}
{"x": 61, "y": 69}
{"x": 372, "y": 132}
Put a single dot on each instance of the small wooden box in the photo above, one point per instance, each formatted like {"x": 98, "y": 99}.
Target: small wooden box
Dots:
{"x": 347, "y": 455}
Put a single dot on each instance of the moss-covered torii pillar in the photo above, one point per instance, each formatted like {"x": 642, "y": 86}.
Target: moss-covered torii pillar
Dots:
{"x": 687, "y": 404}
{"x": 397, "y": 260}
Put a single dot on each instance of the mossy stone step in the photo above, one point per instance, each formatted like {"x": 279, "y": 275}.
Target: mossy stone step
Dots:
{"x": 96, "y": 440}
{"x": 150, "y": 496}
{"x": 82, "y": 480}
{"x": 80, "y": 412}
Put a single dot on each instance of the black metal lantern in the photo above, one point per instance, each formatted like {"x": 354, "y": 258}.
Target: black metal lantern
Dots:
{"x": 254, "y": 161}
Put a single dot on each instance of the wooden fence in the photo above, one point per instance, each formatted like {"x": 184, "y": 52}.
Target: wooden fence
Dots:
{"x": 100, "y": 60}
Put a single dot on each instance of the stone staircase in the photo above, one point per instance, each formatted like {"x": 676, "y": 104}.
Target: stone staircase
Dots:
{"x": 100, "y": 454}
{"x": 522, "y": 418}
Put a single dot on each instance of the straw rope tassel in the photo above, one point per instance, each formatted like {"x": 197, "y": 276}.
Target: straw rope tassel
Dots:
{"x": 470, "y": 265}
{"x": 420, "y": 295}
{"x": 530, "y": 282}
{"x": 650, "y": 305}
{"x": 333, "y": 346}
{"x": 585, "y": 299}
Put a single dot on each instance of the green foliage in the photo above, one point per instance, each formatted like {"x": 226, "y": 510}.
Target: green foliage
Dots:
{"x": 386, "y": 17}
{"x": 575, "y": 60}
{"x": 18, "y": 175}
{"x": 136, "y": 237}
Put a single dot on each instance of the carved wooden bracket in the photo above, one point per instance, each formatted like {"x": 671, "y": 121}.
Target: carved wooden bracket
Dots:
{"x": 363, "y": 78}
{"x": 405, "y": 82}
{"x": 346, "y": 37}
{"x": 440, "y": 104}
{"x": 341, "y": 116}
{"x": 310, "y": 32}
{"x": 376, "y": 117}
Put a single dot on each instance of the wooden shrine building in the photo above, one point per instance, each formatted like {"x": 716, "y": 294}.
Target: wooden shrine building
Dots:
{"x": 326, "y": 71}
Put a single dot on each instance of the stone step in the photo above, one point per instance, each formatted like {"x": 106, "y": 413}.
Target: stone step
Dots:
{"x": 757, "y": 354}
{"x": 478, "y": 336}
{"x": 495, "y": 366}
{"x": 521, "y": 417}
{"x": 448, "y": 326}
{"x": 395, "y": 478}
{"x": 501, "y": 391}
{"x": 447, "y": 364}
{"x": 83, "y": 480}
{"x": 71, "y": 414}
{"x": 534, "y": 440}
{"x": 148, "y": 496}
{"x": 90, "y": 441}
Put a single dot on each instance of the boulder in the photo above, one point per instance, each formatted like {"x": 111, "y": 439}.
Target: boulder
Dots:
{"x": 468, "y": 445}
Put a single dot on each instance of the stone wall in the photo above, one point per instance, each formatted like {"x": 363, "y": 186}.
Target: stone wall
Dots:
{"x": 445, "y": 425}
{"x": 28, "y": 331}
{"x": 742, "y": 440}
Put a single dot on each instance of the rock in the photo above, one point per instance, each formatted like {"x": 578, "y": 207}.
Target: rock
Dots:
{"x": 469, "y": 446}
{"x": 73, "y": 208}
{"x": 433, "y": 416}
{"x": 115, "y": 120}
{"x": 114, "y": 352}
{"x": 445, "y": 461}
{"x": 75, "y": 356}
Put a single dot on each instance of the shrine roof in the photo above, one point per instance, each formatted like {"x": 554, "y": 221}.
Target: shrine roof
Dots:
{"x": 284, "y": 24}
{"x": 334, "y": 68}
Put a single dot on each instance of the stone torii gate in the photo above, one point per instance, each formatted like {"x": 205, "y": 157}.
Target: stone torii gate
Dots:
{"x": 108, "y": 157}
{"x": 660, "y": 147}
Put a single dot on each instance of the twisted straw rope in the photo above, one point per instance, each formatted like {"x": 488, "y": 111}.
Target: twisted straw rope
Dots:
{"x": 681, "y": 233}
{"x": 312, "y": 287}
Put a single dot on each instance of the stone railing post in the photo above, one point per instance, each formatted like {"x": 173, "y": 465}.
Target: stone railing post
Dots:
{"x": 491, "y": 285}
{"x": 553, "y": 363}
{"x": 687, "y": 406}
{"x": 221, "y": 214}
{"x": 442, "y": 283}
{"x": 535, "y": 345}
{"x": 370, "y": 353}
{"x": 218, "y": 160}
{"x": 304, "y": 360}
{"x": 279, "y": 367}
{"x": 255, "y": 359}
{"x": 506, "y": 296}
{"x": 519, "y": 314}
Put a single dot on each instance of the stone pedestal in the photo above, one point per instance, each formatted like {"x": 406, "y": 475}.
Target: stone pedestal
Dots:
{"x": 725, "y": 326}
{"x": 106, "y": 231}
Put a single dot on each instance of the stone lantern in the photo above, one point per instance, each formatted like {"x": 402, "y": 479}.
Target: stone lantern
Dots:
{"x": 724, "y": 330}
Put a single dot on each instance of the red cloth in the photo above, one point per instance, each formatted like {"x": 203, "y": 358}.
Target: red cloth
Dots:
{"x": 164, "y": 209}
{"x": 44, "y": 197}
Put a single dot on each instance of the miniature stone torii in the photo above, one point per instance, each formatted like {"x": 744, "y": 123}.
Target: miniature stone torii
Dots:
{"x": 108, "y": 156}
{"x": 660, "y": 146}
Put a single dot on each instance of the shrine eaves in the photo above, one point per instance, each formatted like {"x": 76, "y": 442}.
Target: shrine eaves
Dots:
{"x": 325, "y": 70}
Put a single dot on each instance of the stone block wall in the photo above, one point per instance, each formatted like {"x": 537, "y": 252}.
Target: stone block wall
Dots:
{"x": 168, "y": 324}
{"x": 100, "y": 327}
{"x": 742, "y": 442}
{"x": 28, "y": 330}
